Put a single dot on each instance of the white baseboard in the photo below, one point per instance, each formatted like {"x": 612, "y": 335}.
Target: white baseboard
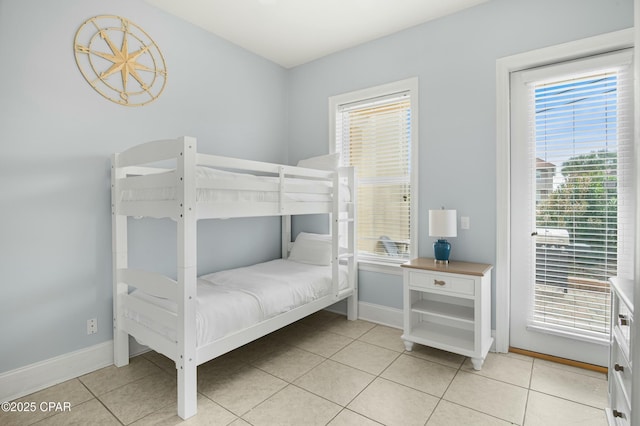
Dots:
{"x": 379, "y": 314}
{"x": 40, "y": 375}
{"x": 32, "y": 378}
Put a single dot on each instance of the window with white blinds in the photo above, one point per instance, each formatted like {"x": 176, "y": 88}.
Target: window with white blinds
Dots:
{"x": 581, "y": 157}
{"x": 375, "y": 136}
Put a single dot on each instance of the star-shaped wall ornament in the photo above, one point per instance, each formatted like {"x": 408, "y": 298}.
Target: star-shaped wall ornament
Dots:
{"x": 119, "y": 60}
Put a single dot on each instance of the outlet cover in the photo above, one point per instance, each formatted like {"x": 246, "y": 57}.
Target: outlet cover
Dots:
{"x": 464, "y": 222}
{"x": 92, "y": 326}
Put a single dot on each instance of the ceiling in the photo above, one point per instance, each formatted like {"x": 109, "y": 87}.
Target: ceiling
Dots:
{"x": 293, "y": 32}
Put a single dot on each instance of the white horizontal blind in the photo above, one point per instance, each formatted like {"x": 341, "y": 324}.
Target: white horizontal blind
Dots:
{"x": 375, "y": 137}
{"x": 581, "y": 138}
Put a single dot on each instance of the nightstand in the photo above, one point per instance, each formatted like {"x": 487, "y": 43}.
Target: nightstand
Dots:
{"x": 448, "y": 306}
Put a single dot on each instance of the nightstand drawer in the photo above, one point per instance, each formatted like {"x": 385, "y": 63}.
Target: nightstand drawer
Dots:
{"x": 620, "y": 411}
{"x": 621, "y": 369}
{"x": 442, "y": 283}
{"x": 622, "y": 327}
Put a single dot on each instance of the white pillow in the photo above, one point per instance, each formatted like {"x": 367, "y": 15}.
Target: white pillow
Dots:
{"x": 314, "y": 249}
{"x": 322, "y": 162}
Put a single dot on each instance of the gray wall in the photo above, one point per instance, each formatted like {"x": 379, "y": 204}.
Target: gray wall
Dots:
{"x": 454, "y": 58}
{"x": 57, "y": 135}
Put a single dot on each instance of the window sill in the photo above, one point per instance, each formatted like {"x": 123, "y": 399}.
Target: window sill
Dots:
{"x": 392, "y": 268}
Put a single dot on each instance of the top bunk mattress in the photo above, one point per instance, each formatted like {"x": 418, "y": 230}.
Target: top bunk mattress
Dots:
{"x": 221, "y": 186}
{"x": 235, "y": 299}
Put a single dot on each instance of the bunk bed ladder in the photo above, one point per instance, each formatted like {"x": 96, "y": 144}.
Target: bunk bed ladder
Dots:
{"x": 352, "y": 301}
{"x": 335, "y": 233}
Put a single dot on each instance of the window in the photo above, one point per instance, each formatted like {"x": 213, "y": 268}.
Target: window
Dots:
{"x": 581, "y": 139}
{"x": 374, "y": 130}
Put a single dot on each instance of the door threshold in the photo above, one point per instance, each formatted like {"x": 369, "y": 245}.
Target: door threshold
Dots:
{"x": 557, "y": 359}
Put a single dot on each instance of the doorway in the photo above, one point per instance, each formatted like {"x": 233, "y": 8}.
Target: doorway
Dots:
{"x": 570, "y": 163}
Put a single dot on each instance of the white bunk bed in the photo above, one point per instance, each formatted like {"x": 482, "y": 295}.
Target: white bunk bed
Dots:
{"x": 165, "y": 314}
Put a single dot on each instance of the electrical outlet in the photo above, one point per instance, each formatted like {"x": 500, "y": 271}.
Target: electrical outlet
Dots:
{"x": 92, "y": 326}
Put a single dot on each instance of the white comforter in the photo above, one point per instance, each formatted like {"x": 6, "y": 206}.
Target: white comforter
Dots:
{"x": 238, "y": 298}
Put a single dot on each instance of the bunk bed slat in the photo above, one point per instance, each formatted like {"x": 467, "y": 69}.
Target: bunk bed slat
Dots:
{"x": 294, "y": 171}
{"x": 237, "y": 186}
{"x": 153, "y": 312}
{"x": 294, "y": 207}
{"x": 156, "y": 180}
{"x": 288, "y": 188}
{"x": 235, "y": 163}
{"x": 306, "y": 189}
{"x": 142, "y": 170}
{"x": 242, "y": 209}
{"x": 157, "y": 209}
{"x": 151, "y": 283}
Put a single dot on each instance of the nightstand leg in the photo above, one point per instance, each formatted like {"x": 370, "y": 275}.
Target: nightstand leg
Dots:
{"x": 408, "y": 345}
{"x": 477, "y": 363}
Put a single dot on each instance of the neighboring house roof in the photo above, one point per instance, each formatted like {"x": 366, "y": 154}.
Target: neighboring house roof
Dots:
{"x": 541, "y": 164}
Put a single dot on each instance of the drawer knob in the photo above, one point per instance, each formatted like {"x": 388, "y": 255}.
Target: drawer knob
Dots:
{"x": 618, "y": 367}
{"x": 617, "y": 413}
{"x": 439, "y": 282}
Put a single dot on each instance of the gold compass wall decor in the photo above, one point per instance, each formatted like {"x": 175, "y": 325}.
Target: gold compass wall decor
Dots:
{"x": 119, "y": 60}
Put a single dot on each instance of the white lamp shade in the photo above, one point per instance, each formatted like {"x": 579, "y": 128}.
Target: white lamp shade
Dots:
{"x": 443, "y": 223}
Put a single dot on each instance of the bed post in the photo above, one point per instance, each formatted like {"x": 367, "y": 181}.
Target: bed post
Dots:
{"x": 352, "y": 301}
{"x": 335, "y": 236}
{"x": 119, "y": 261}
{"x": 186, "y": 362}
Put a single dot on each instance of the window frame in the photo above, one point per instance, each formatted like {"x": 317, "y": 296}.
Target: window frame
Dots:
{"x": 409, "y": 86}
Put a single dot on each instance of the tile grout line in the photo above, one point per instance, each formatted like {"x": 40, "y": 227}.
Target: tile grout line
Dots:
{"x": 445, "y": 391}
{"x": 100, "y": 402}
{"x": 526, "y": 402}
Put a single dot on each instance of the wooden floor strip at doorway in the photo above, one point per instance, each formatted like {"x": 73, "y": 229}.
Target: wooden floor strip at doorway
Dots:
{"x": 559, "y": 360}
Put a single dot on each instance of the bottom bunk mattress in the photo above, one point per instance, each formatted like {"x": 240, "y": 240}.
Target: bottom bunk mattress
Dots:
{"x": 238, "y": 298}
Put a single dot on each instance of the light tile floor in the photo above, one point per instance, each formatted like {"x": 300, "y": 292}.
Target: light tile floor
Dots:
{"x": 325, "y": 370}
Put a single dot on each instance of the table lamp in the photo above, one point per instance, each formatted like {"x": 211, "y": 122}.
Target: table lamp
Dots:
{"x": 442, "y": 224}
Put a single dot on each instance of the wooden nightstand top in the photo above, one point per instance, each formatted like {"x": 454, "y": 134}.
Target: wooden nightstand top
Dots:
{"x": 453, "y": 267}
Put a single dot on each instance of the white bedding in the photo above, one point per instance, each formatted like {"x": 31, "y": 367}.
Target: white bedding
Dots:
{"x": 214, "y": 195}
{"x": 238, "y": 298}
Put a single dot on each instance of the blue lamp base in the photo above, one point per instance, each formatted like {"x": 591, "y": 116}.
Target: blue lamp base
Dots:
{"x": 441, "y": 250}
